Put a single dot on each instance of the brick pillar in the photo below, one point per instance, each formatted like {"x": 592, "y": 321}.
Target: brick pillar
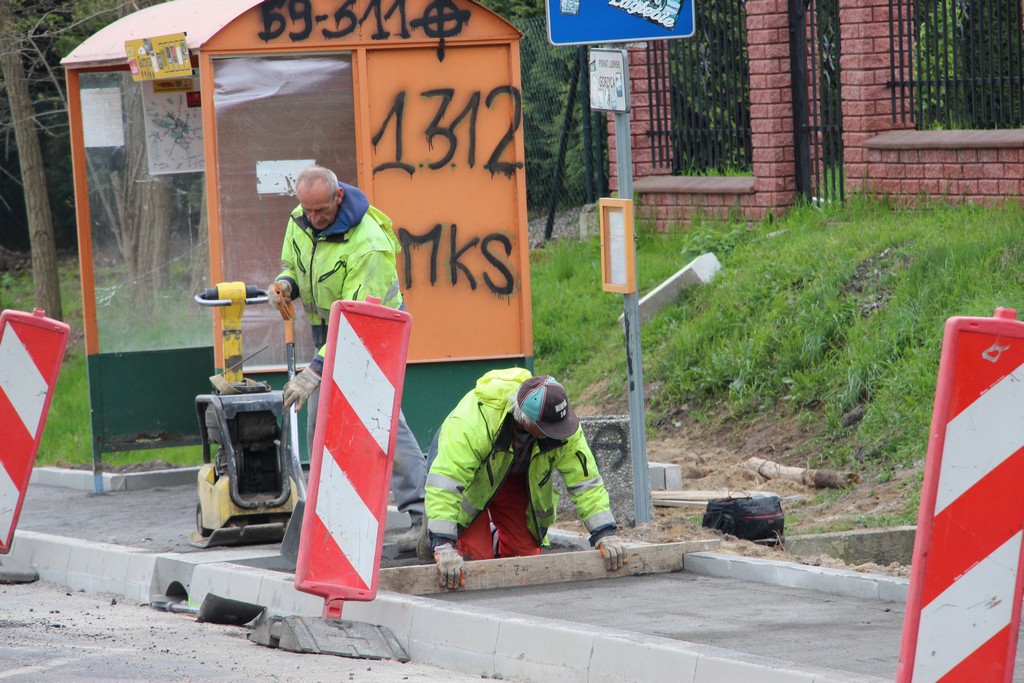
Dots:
{"x": 864, "y": 68}
{"x": 643, "y": 73}
{"x": 771, "y": 105}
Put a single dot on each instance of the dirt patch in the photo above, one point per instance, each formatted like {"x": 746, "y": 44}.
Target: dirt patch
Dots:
{"x": 711, "y": 454}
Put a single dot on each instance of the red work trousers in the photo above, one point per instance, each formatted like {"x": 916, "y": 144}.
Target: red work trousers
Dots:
{"x": 507, "y": 511}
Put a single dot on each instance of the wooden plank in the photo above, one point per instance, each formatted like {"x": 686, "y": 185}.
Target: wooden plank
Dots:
{"x": 705, "y": 496}
{"x": 545, "y": 568}
{"x": 671, "y": 503}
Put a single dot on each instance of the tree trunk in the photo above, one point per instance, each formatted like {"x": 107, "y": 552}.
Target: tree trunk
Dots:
{"x": 33, "y": 179}
{"x": 821, "y": 479}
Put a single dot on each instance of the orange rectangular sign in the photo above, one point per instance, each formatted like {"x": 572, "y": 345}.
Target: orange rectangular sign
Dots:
{"x": 446, "y": 165}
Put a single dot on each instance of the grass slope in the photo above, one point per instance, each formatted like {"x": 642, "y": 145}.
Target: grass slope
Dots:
{"x": 832, "y": 317}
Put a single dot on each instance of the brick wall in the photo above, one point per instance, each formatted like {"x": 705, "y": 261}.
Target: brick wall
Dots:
{"x": 881, "y": 156}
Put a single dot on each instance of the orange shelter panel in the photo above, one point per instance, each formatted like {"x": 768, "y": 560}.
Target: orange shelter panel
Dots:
{"x": 444, "y": 166}
{"x": 297, "y": 25}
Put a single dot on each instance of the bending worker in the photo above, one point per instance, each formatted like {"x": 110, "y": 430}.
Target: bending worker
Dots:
{"x": 338, "y": 247}
{"x": 496, "y": 452}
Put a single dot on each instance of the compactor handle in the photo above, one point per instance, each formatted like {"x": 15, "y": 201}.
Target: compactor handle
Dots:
{"x": 211, "y": 296}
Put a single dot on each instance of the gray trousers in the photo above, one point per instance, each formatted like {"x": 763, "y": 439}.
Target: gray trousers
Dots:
{"x": 409, "y": 471}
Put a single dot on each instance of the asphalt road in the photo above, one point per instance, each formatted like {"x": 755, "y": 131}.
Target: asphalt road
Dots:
{"x": 49, "y": 635}
{"x": 802, "y": 627}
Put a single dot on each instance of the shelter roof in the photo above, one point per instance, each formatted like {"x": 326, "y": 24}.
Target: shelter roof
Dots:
{"x": 200, "y": 20}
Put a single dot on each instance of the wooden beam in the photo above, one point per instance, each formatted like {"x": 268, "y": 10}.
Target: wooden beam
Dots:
{"x": 705, "y": 496}
{"x": 545, "y": 568}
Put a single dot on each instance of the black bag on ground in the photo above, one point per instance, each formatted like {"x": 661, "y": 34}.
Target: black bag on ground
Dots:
{"x": 753, "y": 519}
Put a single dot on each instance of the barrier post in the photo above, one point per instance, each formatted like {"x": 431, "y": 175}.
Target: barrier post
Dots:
{"x": 353, "y": 451}
{"x": 964, "y": 602}
{"x": 32, "y": 349}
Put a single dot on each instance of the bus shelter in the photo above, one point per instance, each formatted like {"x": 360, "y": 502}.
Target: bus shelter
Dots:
{"x": 189, "y": 122}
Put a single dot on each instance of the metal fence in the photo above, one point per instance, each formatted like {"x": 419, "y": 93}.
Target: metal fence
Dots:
{"x": 566, "y": 143}
{"x": 822, "y": 162}
{"x": 957, "y": 64}
{"x": 703, "y": 126}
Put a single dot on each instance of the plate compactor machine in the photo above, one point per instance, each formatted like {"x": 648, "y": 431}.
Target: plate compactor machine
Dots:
{"x": 246, "y": 487}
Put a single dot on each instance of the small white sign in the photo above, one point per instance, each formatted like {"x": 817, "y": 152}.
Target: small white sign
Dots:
{"x": 609, "y": 80}
{"x": 278, "y": 176}
{"x": 102, "y": 122}
{"x": 617, "y": 248}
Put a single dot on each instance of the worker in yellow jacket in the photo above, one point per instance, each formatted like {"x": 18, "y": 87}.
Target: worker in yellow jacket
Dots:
{"x": 496, "y": 453}
{"x": 339, "y": 247}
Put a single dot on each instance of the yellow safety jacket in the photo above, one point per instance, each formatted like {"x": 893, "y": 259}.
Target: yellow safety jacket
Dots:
{"x": 475, "y": 454}
{"x": 352, "y": 259}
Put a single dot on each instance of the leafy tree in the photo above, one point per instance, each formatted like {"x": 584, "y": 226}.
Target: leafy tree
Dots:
{"x": 13, "y": 50}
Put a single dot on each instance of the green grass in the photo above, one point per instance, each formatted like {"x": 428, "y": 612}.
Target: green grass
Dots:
{"x": 812, "y": 316}
{"x": 67, "y": 433}
{"x": 822, "y": 312}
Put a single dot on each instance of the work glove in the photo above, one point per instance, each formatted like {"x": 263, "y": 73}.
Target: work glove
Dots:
{"x": 279, "y": 294}
{"x": 614, "y": 552}
{"x": 449, "y": 566}
{"x": 298, "y": 389}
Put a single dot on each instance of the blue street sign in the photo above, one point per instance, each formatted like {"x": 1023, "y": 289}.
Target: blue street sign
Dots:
{"x": 585, "y": 22}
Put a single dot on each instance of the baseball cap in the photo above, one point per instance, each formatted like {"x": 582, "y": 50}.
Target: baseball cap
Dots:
{"x": 543, "y": 400}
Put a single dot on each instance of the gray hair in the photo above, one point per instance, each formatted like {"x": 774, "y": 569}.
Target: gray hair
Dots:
{"x": 313, "y": 173}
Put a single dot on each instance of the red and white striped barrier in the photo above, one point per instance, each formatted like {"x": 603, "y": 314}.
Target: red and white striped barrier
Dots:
{"x": 964, "y": 603}
{"x": 353, "y": 450}
{"x": 31, "y": 351}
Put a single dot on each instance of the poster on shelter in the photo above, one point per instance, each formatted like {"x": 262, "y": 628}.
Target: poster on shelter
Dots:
{"x": 174, "y": 126}
{"x": 102, "y": 121}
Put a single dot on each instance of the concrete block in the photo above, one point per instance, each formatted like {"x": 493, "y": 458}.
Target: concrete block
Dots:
{"x": 854, "y": 585}
{"x": 48, "y": 555}
{"x": 393, "y": 610}
{"x": 665, "y": 476}
{"x": 543, "y": 651}
{"x": 84, "y": 480}
{"x": 728, "y": 669}
{"x": 893, "y": 590}
{"x": 454, "y": 638}
{"x": 699, "y": 271}
{"x": 99, "y": 567}
{"x": 590, "y": 225}
{"x": 278, "y": 594}
{"x": 624, "y": 658}
{"x": 608, "y": 437}
{"x": 108, "y": 568}
{"x": 79, "y": 480}
{"x": 708, "y": 564}
{"x": 805, "y": 578}
{"x": 751, "y": 569}
{"x": 225, "y": 581}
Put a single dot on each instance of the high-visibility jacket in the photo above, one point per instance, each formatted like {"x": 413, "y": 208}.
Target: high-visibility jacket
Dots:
{"x": 352, "y": 259}
{"x": 475, "y": 454}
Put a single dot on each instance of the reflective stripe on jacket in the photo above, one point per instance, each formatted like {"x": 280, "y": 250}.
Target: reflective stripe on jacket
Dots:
{"x": 475, "y": 453}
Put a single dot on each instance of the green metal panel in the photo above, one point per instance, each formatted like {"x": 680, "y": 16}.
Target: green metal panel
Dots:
{"x": 147, "y": 399}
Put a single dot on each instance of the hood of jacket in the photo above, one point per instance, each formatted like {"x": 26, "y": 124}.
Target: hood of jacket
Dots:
{"x": 494, "y": 388}
{"x": 353, "y": 207}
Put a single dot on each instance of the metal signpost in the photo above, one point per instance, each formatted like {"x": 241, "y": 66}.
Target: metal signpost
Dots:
{"x": 574, "y": 22}
{"x": 609, "y": 91}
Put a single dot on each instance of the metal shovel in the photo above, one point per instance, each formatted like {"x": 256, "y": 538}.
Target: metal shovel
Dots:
{"x": 290, "y": 542}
